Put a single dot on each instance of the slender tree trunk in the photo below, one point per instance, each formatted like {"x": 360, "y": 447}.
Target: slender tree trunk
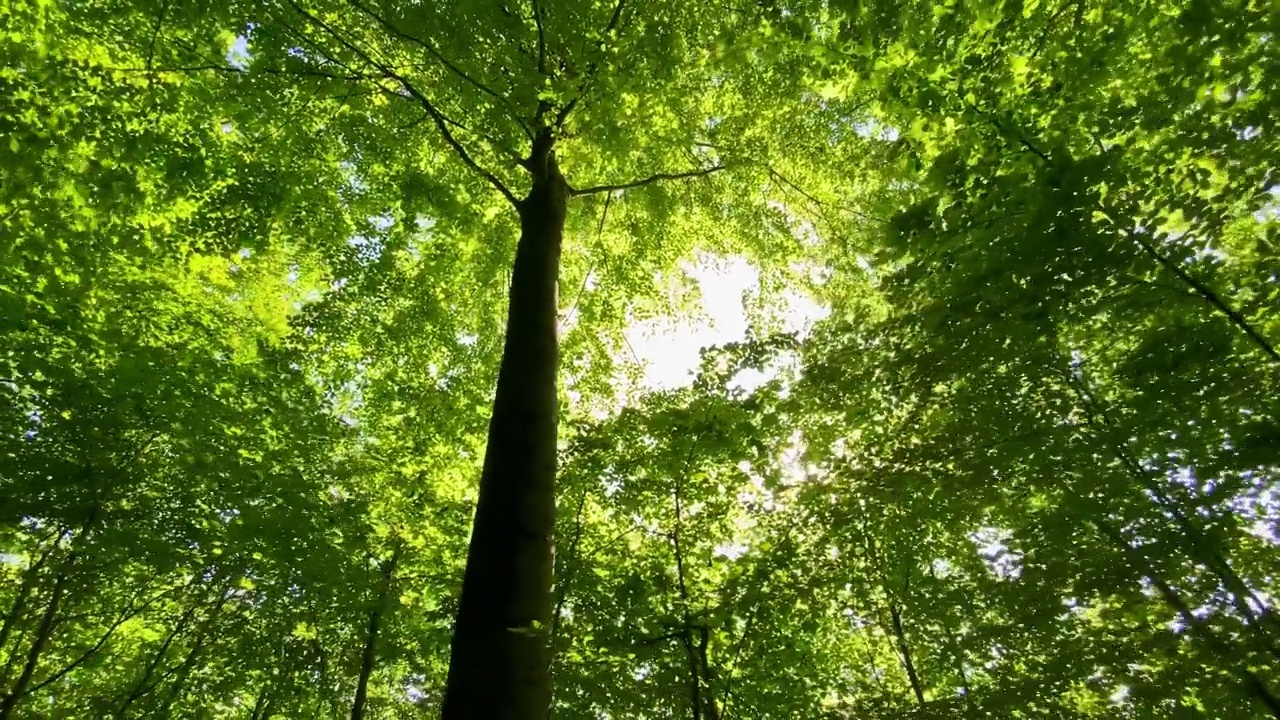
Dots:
{"x": 895, "y": 614}
{"x": 1254, "y": 685}
{"x": 957, "y": 653}
{"x": 369, "y": 659}
{"x": 695, "y": 682}
{"x": 30, "y": 579}
{"x": 262, "y": 706}
{"x": 38, "y": 643}
{"x": 499, "y": 666}
{"x": 707, "y": 675}
{"x": 1263, "y": 626}
{"x": 178, "y": 687}
{"x": 144, "y": 684}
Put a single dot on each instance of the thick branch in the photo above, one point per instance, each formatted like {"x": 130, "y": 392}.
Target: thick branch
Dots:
{"x": 577, "y": 192}
{"x": 591, "y": 69}
{"x": 433, "y": 52}
{"x": 441, "y": 122}
{"x": 1208, "y": 295}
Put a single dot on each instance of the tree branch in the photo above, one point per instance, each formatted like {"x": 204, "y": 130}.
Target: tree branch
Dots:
{"x": 577, "y": 192}
{"x": 441, "y": 122}
{"x": 431, "y": 50}
{"x": 155, "y": 34}
{"x": 563, "y": 587}
{"x": 237, "y": 71}
{"x": 591, "y": 69}
{"x": 1208, "y": 295}
{"x": 542, "y": 37}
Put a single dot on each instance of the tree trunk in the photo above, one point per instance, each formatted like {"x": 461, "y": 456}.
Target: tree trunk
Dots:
{"x": 369, "y": 658}
{"x": 1254, "y": 686}
{"x": 45, "y": 630}
{"x": 30, "y": 579}
{"x": 262, "y": 706}
{"x": 201, "y": 642}
{"x": 499, "y": 666}
{"x": 896, "y": 616}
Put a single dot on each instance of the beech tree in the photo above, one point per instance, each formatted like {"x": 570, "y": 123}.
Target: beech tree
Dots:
{"x": 318, "y": 336}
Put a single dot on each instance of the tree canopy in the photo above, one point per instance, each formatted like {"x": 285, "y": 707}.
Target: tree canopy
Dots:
{"x": 294, "y": 414}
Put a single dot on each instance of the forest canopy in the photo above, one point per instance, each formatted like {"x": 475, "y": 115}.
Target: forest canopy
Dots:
{"x": 359, "y": 359}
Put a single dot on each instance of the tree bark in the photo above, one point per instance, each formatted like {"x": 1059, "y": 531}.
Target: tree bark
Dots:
{"x": 499, "y": 665}
{"x": 369, "y": 658}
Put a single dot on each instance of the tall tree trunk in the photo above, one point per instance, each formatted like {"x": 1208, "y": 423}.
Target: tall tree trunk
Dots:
{"x": 369, "y": 658}
{"x": 499, "y": 666}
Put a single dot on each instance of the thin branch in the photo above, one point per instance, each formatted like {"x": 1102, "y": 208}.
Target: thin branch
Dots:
{"x": 441, "y": 122}
{"x": 1027, "y": 144}
{"x": 991, "y": 118}
{"x": 431, "y": 50}
{"x": 613, "y": 540}
{"x": 239, "y": 71}
{"x": 562, "y": 588}
{"x": 737, "y": 655}
{"x": 573, "y": 309}
{"x": 155, "y": 34}
{"x": 795, "y": 187}
{"x": 130, "y": 612}
{"x": 577, "y": 192}
{"x": 1201, "y": 289}
{"x": 674, "y": 635}
{"x": 1252, "y": 682}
